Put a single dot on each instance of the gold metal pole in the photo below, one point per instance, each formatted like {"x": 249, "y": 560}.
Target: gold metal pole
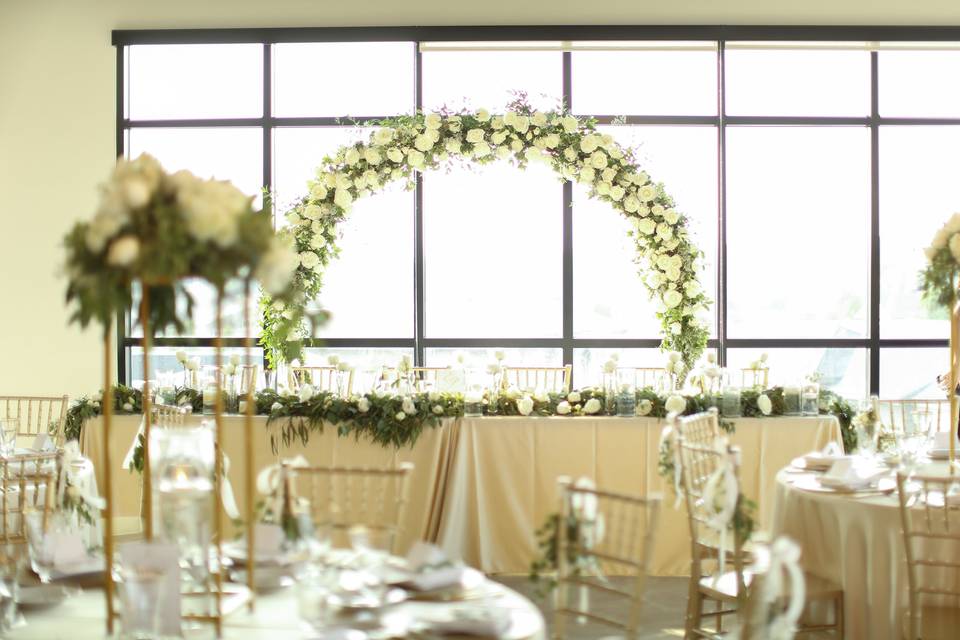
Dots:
{"x": 218, "y": 466}
{"x": 147, "y": 477}
{"x": 954, "y": 363}
{"x": 106, "y": 405}
{"x": 248, "y": 442}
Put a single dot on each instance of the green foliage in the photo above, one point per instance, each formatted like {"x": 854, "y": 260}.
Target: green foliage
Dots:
{"x": 543, "y": 568}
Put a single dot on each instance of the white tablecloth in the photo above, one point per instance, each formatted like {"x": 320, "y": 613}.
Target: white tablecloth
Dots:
{"x": 855, "y": 542}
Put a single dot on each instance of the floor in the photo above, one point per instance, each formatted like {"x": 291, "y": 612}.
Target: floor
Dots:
{"x": 662, "y": 617}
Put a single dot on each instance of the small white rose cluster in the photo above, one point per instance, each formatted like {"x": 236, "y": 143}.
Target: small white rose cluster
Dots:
{"x": 402, "y": 146}
{"x": 947, "y": 237}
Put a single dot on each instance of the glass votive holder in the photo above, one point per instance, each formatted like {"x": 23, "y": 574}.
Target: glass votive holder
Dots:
{"x": 810, "y": 399}
{"x": 791, "y": 401}
{"x": 473, "y": 403}
{"x": 209, "y": 400}
{"x": 730, "y": 402}
{"x": 627, "y": 400}
{"x": 141, "y": 600}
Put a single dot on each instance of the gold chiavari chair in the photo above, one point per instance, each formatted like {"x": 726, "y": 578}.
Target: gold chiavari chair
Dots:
{"x": 168, "y": 415}
{"x": 425, "y": 378}
{"x": 728, "y": 590}
{"x": 644, "y": 377}
{"x": 28, "y": 483}
{"x": 330, "y": 379}
{"x": 341, "y": 498}
{"x": 35, "y": 414}
{"x": 247, "y": 377}
{"x": 930, "y": 521}
{"x": 895, "y": 414}
{"x": 755, "y": 378}
{"x": 702, "y": 429}
{"x": 531, "y": 378}
{"x": 617, "y": 537}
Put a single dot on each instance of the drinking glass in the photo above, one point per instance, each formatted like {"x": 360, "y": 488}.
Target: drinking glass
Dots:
{"x": 868, "y": 429}
{"x": 141, "y": 600}
{"x": 730, "y": 402}
{"x": 913, "y": 440}
{"x": 792, "y": 400}
{"x": 8, "y": 436}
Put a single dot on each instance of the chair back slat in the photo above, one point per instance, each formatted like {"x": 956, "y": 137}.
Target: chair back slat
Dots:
{"x": 755, "y": 378}
{"x": 29, "y": 413}
{"x": 27, "y": 484}
{"x": 340, "y": 498}
{"x": 615, "y": 532}
{"x": 897, "y": 413}
{"x": 555, "y": 379}
{"x": 329, "y": 379}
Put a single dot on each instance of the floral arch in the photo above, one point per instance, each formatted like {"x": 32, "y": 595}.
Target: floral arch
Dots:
{"x": 400, "y": 147}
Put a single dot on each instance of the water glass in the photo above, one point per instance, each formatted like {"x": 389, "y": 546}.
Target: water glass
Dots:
{"x": 792, "y": 401}
{"x": 473, "y": 402}
{"x": 867, "y": 426}
{"x": 8, "y": 436}
{"x": 627, "y": 400}
{"x": 141, "y": 601}
{"x": 913, "y": 440}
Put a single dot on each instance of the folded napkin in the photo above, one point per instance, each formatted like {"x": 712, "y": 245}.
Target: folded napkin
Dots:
{"x": 849, "y": 473}
{"x": 473, "y": 621}
{"x": 823, "y": 459}
{"x": 941, "y": 445}
{"x": 430, "y": 569}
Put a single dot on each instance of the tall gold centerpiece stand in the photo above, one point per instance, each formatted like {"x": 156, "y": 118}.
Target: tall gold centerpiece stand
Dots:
{"x": 952, "y": 391}
{"x": 227, "y": 597}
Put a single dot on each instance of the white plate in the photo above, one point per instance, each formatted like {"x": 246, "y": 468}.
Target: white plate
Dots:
{"x": 42, "y": 595}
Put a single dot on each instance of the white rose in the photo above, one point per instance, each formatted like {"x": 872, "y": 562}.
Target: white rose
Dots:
{"x": 312, "y": 212}
{"x": 573, "y": 397}
{"x": 646, "y": 226}
{"x": 275, "y": 406}
{"x": 123, "y": 252}
{"x": 669, "y": 367}
{"x": 672, "y": 298}
{"x": 363, "y": 405}
{"x": 525, "y": 405}
{"x": 127, "y": 407}
{"x": 437, "y": 410}
{"x": 764, "y": 356}
{"x": 516, "y": 145}
{"x": 588, "y": 144}
{"x": 181, "y": 356}
{"x": 400, "y": 416}
{"x": 498, "y": 137}
{"x": 631, "y": 204}
{"x": 563, "y": 408}
{"x": 408, "y": 406}
{"x": 503, "y": 152}
{"x": 194, "y": 365}
{"x": 497, "y": 123}
{"x": 521, "y": 123}
{"x": 674, "y": 356}
{"x": 423, "y": 142}
{"x": 603, "y": 188}
{"x": 671, "y": 216}
{"x": 277, "y": 265}
{"x": 415, "y": 158}
{"x": 592, "y": 406}
{"x": 481, "y": 149}
{"x": 452, "y": 145}
{"x": 309, "y": 259}
{"x": 610, "y": 366}
{"x": 598, "y": 159}
{"x": 675, "y": 404}
{"x": 383, "y": 136}
{"x": 342, "y": 198}
{"x": 433, "y": 120}
{"x": 474, "y": 136}
{"x": 764, "y": 404}
{"x": 483, "y": 115}
{"x": 499, "y": 355}
{"x": 306, "y": 392}
{"x": 372, "y": 156}
{"x": 538, "y": 119}
{"x": 617, "y": 192}
{"x": 395, "y": 155}
{"x": 676, "y": 328}
{"x": 644, "y": 407}
{"x": 570, "y": 124}
{"x": 647, "y": 192}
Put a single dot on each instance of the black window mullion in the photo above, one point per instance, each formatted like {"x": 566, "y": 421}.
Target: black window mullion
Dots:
{"x": 721, "y": 300}
{"x": 418, "y": 270}
{"x": 567, "y": 221}
{"x": 874, "y": 364}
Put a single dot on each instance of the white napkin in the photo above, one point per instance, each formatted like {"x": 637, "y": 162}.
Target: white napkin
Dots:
{"x": 941, "y": 444}
{"x": 430, "y": 568}
{"x": 848, "y": 473}
{"x": 43, "y": 443}
{"x": 824, "y": 458}
{"x": 473, "y": 621}
{"x": 67, "y": 548}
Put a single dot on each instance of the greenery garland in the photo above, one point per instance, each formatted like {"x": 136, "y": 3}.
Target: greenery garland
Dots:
{"x": 401, "y": 147}
{"x": 397, "y": 421}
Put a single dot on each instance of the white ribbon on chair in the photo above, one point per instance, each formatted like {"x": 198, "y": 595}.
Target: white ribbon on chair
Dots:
{"x": 270, "y": 478}
{"x": 783, "y": 558}
{"x": 720, "y": 494}
{"x": 71, "y": 458}
{"x": 670, "y": 439}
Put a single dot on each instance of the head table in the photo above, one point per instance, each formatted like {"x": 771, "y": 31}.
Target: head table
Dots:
{"x": 855, "y": 541}
{"x": 482, "y": 486}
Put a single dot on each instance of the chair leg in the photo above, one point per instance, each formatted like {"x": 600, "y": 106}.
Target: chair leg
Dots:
{"x": 839, "y": 615}
{"x": 693, "y": 608}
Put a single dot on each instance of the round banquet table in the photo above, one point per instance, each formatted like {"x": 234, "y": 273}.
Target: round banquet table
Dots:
{"x": 82, "y": 617}
{"x": 854, "y": 540}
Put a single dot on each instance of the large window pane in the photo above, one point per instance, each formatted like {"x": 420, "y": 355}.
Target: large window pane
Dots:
{"x": 609, "y": 298}
{"x": 479, "y": 357}
{"x": 918, "y": 192}
{"x": 842, "y": 370}
{"x": 493, "y": 253}
{"x": 228, "y": 153}
{"x": 798, "y": 205}
{"x": 298, "y": 151}
{"x": 919, "y": 83}
{"x": 588, "y": 363}
{"x": 195, "y": 81}
{"x": 491, "y": 79}
{"x": 912, "y": 373}
{"x": 797, "y": 82}
{"x": 662, "y": 82}
{"x": 204, "y": 320}
{"x": 343, "y": 79}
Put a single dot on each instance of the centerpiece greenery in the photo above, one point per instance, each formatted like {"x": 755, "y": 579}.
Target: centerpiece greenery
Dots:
{"x": 400, "y": 147}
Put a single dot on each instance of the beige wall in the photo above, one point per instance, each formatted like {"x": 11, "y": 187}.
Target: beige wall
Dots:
{"x": 57, "y": 121}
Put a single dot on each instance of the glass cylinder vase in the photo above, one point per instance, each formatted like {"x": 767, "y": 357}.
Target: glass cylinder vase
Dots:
{"x": 810, "y": 398}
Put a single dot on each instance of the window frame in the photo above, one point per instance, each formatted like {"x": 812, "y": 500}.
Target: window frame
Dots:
{"x": 717, "y": 34}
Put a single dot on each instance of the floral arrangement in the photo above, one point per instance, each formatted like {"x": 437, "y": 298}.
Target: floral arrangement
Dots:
{"x": 400, "y": 147}
{"x": 159, "y": 228}
{"x": 938, "y": 281}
